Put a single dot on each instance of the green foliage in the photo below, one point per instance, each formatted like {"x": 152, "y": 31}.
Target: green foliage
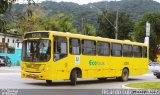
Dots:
{"x": 154, "y": 20}
{"x": 66, "y": 25}
{"x": 106, "y": 23}
{"x": 90, "y": 30}
{"x": 105, "y": 28}
{"x": 5, "y": 4}
{"x": 134, "y": 8}
{"x": 29, "y": 24}
{"x": 2, "y": 24}
{"x": 54, "y": 23}
{"x": 145, "y": 85}
{"x": 51, "y": 23}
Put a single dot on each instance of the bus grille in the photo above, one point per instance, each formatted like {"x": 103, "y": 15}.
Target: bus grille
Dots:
{"x": 33, "y": 66}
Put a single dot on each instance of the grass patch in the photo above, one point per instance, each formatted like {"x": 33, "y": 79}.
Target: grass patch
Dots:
{"x": 145, "y": 85}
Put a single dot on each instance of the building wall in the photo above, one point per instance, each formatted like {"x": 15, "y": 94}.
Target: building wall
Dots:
{"x": 15, "y": 58}
{"x": 10, "y": 40}
{"x": 17, "y": 45}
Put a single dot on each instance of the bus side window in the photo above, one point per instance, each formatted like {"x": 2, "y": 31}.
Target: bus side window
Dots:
{"x": 60, "y": 48}
{"x": 127, "y": 50}
{"x": 88, "y": 47}
{"x": 116, "y": 49}
{"x": 103, "y": 48}
{"x": 74, "y": 46}
{"x": 144, "y": 52}
{"x": 137, "y": 51}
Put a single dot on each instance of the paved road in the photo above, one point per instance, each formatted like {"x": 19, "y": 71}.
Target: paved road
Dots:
{"x": 10, "y": 79}
{"x": 12, "y": 69}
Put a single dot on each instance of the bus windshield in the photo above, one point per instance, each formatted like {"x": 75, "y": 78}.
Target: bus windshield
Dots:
{"x": 36, "y": 50}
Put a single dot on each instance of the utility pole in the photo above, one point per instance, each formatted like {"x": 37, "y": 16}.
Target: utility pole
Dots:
{"x": 148, "y": 26}
{"x": 84, "y": 25}
{"x": 116, "y": 27}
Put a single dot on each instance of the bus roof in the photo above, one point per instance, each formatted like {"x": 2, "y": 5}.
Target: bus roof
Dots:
{"x": 58, "y": 33}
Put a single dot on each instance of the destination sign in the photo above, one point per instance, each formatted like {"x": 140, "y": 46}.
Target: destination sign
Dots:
{"x": 37, "y": 35}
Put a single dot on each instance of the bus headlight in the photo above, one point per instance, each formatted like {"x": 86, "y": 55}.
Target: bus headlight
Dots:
{"x": 46, "y": 69}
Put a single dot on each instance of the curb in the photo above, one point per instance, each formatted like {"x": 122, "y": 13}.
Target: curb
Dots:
{"x": 126, "y": 87}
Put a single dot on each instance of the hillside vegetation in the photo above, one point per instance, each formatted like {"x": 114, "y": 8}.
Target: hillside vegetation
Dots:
{"x": 134, "y": 8}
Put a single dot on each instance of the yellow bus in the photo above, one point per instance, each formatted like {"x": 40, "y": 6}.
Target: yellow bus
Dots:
{"x": 53, "y": 55}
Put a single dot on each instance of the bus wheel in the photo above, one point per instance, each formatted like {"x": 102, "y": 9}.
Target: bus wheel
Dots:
{"x": 102, "y": 79}
{"x": 49, "y": 82}
{"x": 125, "y": 75}
{"x": 73, "y": 77}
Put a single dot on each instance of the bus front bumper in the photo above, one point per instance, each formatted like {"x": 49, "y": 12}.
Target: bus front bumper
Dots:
{"x": 39, "y": 76}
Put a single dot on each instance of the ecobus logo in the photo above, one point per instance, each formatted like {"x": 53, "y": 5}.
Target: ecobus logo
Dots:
{"x": 94, "y": 63}
{"x": 91, "y": 62}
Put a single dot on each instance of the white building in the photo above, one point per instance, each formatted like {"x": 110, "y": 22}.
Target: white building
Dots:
{"x": 10, "y": 41}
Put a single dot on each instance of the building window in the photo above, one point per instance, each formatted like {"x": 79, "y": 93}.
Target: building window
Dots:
{"x": 3, "y": 46}
{"x": 3, "y": 40}
{"x": 88, "y": 47}
{"x": 18, "y": 45}
{"x": 1, "y": 50}
{"x": 11, "y": 50}
{"x": 103, "y": 48}
{"x": 17, "y": 41}
{"x": 116, "y": 49}
{"x": 74, "y": 46}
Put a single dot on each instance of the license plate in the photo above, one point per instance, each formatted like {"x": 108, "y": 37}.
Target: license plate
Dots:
{"x": 32, "y": 75}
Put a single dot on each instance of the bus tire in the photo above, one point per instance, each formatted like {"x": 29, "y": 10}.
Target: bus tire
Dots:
{"x": 125, "y": 75}
{"x": 49, "y": 82}
{"x": 73, "y": 77}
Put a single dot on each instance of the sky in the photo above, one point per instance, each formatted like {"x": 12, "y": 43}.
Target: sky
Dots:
{"x": 75, "y": 1}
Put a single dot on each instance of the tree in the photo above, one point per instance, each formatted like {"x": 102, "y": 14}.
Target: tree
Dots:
{"x": 154, "y": 20}
{"x": 54, "y": 23}
{"x": 60, "y": 23}
{"x": 66, "y": 25}
{"x": 90, "y": 30}
{"x": 51, "y": 23}
{"x": 6, "y": 5}
{"x": 106, "y": 23}
{"x": 29, "y": 24}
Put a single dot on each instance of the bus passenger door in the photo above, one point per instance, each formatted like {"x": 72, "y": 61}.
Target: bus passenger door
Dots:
{"x": 60, "y": 57}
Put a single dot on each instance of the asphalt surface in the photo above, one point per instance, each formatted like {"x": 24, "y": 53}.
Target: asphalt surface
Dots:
{"x": 10, "y": 79}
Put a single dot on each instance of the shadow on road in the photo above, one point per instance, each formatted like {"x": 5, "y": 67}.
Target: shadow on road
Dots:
{"x": 81, "y": 82}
